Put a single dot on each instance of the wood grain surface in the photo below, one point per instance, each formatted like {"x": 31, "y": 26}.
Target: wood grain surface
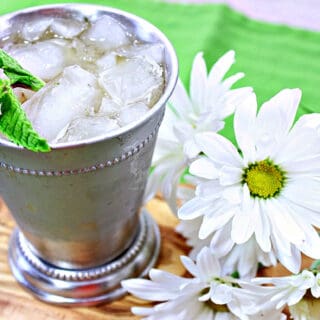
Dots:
{"x": 17, "y": 304}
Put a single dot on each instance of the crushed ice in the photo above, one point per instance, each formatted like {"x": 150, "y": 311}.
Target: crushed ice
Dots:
{"x": 98, "y": 76}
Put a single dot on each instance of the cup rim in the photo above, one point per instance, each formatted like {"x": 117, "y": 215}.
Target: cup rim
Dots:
{"x": 169, "y": 87}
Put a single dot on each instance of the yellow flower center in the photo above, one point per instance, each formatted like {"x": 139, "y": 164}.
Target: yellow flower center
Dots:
{"x": 264, "y": 179}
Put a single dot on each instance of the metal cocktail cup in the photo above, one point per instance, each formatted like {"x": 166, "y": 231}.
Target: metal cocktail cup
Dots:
{"x": 80, "y": 231}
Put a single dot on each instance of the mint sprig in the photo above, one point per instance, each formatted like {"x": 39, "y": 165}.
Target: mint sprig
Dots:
{"x": 14, "y": 123}
{"x": 18, "y": 75}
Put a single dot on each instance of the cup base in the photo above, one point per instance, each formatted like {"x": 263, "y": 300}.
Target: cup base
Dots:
{"x": 84, "y": 287}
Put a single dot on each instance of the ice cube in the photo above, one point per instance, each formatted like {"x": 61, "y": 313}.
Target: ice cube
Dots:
{"x": 106, "y": 33}
{"x": 45, "y": 59}
{"x": 86, "y": 55}
{"x": 33, "y": 30}
{"x": 71, "y": 95}
{"x": 86, "y": 127}
{"x": 132, "y": 113}
{"x": 109, "y": 108}
{"x": 154, "y": 51}
{"x": 107, "y": 61}
{"x": 133, "y": 80}
{"x": 67, "y": 28}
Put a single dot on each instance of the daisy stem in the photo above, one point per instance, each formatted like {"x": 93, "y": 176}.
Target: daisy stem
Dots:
{"x": 315, "y": 266}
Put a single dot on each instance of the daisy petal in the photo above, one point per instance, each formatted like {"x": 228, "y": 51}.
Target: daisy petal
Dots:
{"x": 148, "y": 290}
{"x": 289, "y": 151}
{"x": 221, "y": 294}
{"x": 295, "y": 297}
{"x": 312, "y": 217}
{"x": 279, "y": 112}
{"x": 183, "y": 131}
{"x": 221, "y": 243}
{"x": 244, "y": 127}
{"x": 230, "y": 175}
{"x": 185, "y": 192}
{"x": 311, "y": 120}
{"x": 193, "y": 209}
{"x": 153, "y": 185}
{"x": 190, "y": 265}
{"x": 191, "y": 149}
{"x": 233, "y": 98}
{"x": 165, "y": 149}
{"x": 305, "y": 280}
{"x": 208, "y": 264}
{"x": 229, "y": 82}
{"x": 167, "y": 279}
{"x": 221, "y": 67}
{"x": 262, "y": 229}
{"x": 282, "y": 245}
{"x": 232, "y": 194}
{"x": 292, "y": 261}
{"x": 204, "y": 168}
{"x": 170, "y": 180}
{"x": 220, "y": 150}
{"x": 311, "y": 245}
{"x": 283, "y": 220}
{"x": 166, "y": 129}
{"x": 209, "y": 190}
{"x": 198, "y": 81}
{"x": 315, "y": 290}
{"x": 216, "y": 220}
{"x": 248, "y": 266}
{"x": 303, "y": 191}
{"x": 242, "y": 226}
{"x": 180, "y": 101}
{"x": 274, "y": 120}
{"x": 309, "y": 166}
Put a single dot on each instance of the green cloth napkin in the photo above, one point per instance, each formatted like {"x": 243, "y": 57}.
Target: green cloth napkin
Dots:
{"x": 273, "y": 57}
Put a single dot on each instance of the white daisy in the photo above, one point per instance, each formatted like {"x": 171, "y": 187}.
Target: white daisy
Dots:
{"x": 242, "y": 258}
{"x": 308, "y": 308}
{"x": 300, "y": 292}
{"x": 205, "y": 296}
{"x": 291, "y": 289}
{"x": 271, "y": 189}
{"x": 211, "y": 101}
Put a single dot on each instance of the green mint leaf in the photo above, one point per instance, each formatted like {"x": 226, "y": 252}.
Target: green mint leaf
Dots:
{"x": 17, "y": 74}
{"x": 14, "y": 123}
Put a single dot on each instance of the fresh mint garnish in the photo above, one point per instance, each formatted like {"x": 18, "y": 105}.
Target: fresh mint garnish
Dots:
{"x": 17, "y": 75}
{"x": 14, "y": 123}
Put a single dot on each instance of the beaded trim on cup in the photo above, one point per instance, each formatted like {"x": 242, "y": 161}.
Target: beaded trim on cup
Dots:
{"x": 102, "y": 165}
{"x": 88, "y": 274}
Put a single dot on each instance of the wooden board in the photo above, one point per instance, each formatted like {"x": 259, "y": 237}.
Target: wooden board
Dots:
{"x": 17, "y": 304}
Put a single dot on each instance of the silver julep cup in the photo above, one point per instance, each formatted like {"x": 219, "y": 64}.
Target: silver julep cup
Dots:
{"x": 77, "y": 208}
